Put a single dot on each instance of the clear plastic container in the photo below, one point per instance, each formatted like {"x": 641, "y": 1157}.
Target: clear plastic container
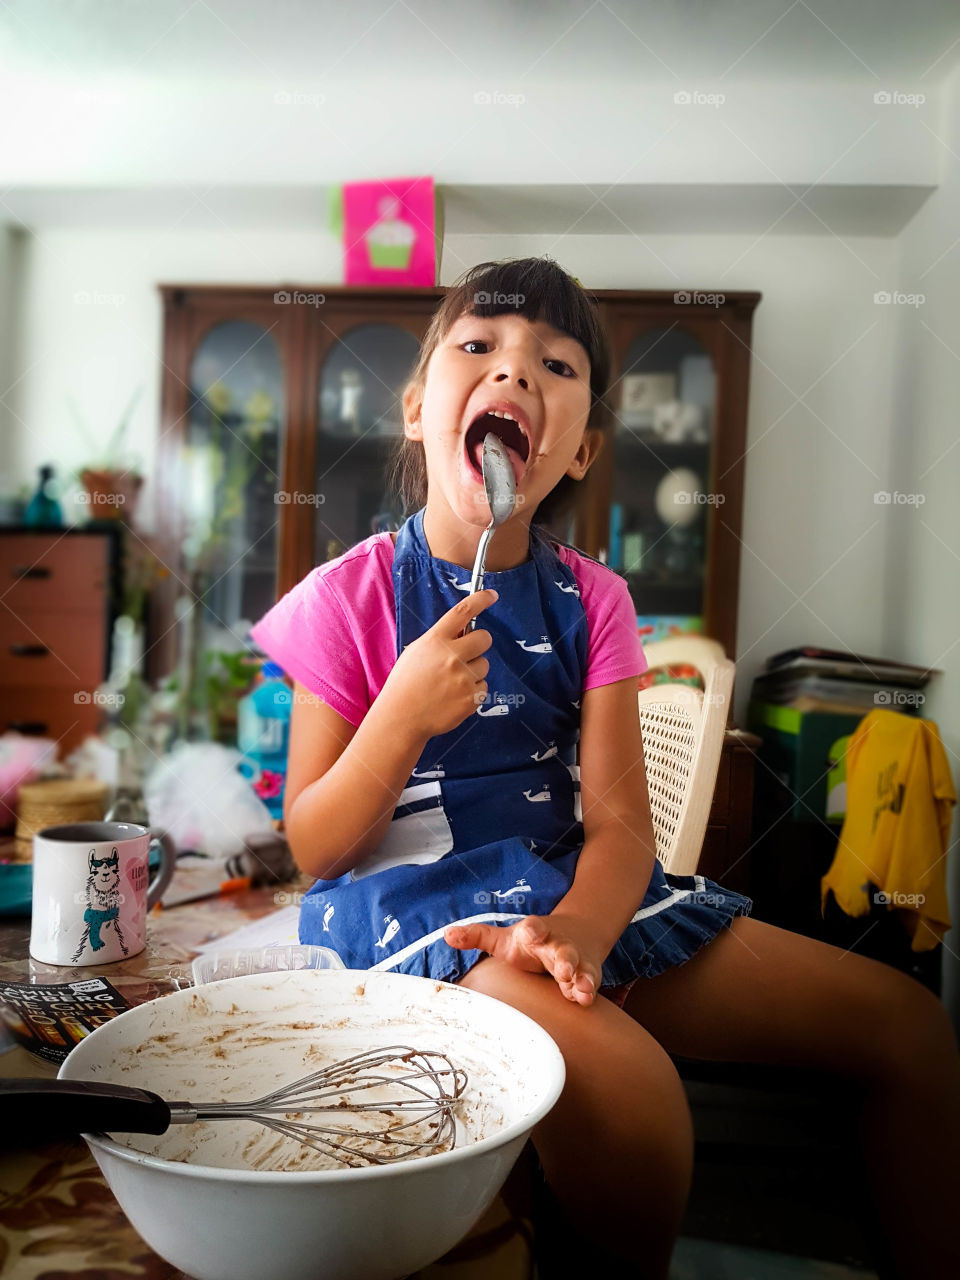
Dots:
{"x": 234, "y": 964}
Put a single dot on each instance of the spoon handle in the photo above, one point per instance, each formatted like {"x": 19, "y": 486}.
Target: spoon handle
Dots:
{"x": 476, "y": 582}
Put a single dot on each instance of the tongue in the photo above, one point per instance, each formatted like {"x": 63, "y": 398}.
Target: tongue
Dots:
{"x": 516, "y": 461}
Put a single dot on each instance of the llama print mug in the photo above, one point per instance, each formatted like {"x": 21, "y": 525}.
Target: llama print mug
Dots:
{"x": 91, "y": 893}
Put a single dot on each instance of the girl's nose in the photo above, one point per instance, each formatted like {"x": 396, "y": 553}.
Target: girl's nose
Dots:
{"x": 521, "y": 382}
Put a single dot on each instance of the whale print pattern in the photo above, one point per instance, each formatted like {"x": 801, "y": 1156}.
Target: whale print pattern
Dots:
{"x": 392, "y": 929}
{"x": 521, "y": 887}
{"x": 543, "y": 647}
{"x": 540, "y": 796}
{"x": 496, "y": 801}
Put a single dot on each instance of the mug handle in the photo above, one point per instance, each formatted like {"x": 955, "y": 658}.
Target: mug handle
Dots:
{"x": 168, "y": 861}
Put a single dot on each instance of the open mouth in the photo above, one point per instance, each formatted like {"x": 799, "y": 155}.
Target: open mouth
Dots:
{"x": 512, "y": 435}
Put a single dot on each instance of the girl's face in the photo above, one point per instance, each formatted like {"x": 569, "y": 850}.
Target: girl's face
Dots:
{"x": 536, "y": 373}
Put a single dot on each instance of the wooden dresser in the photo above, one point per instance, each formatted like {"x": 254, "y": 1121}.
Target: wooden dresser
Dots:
{"x": 58, "y": 598}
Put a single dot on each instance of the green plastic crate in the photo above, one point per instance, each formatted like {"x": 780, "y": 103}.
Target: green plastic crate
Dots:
{"x": 797, "y": 746}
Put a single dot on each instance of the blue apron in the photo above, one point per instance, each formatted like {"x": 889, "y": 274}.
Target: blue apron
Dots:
{"x": 488, "y": 827}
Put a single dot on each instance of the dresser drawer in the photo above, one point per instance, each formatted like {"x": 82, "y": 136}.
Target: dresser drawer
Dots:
{"x": 52, "y": 572}
{"x": 53, "y": 650}
{"x": 49, "y": 713}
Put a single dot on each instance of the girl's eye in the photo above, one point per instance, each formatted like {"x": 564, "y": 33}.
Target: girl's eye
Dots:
{"x": 477, "y": 342}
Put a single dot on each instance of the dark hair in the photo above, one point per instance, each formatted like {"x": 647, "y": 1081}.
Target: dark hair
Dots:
{"x": 537, "y": 289}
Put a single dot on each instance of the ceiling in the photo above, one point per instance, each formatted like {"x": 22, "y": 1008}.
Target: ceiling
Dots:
{"x": 510, "y": 41}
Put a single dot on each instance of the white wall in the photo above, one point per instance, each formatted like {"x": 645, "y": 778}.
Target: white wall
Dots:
{"x": 98, "y": 347}
{"x": 923, "y": 599}
{"x": 810, "y": 528}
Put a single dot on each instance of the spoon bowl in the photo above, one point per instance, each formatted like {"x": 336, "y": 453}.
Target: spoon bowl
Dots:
{"x": 500, "y": 485}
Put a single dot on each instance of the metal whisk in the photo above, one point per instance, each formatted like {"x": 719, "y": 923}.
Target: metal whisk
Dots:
{"x": 416, "y": 1089}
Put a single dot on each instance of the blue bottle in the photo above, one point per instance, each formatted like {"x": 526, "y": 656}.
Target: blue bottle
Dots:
{"x": 263, "y": 735}
{"x": 43, "y": 509}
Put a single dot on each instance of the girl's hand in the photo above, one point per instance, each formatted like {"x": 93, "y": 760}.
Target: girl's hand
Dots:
{"x": 438, "y": 680}
{"x": 553, "y": 944}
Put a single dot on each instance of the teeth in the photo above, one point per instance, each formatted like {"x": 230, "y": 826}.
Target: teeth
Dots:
{"x": 497, "y": 414}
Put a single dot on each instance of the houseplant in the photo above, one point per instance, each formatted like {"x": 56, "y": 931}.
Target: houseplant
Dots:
{"x": 112, "y": 478}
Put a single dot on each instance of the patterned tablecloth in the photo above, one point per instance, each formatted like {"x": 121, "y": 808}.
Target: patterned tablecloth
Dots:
{"x": 58, "y": 1217}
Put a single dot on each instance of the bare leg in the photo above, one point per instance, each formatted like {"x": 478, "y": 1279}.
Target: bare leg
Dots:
{"x": 757, "y": 993}
{"x": 617, "y": 1149}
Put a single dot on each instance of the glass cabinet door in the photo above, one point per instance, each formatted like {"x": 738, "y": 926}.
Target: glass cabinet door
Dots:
{"x": 661, "y": 470}
{"x": 231, "y": 472}
{"x": 360, "y": 417}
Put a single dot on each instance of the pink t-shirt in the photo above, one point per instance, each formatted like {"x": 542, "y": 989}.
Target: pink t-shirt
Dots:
{"x": 335, "y": 632}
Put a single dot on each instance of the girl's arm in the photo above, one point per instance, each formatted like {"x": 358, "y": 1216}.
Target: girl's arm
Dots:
{"x": 616, "y": 862}
{"x": 343, "y": 781}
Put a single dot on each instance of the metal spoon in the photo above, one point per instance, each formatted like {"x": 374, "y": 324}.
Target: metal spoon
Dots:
{"x": 501, "y": 488}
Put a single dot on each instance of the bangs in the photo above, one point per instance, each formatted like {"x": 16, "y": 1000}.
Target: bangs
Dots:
{"x": 537, "y": 289}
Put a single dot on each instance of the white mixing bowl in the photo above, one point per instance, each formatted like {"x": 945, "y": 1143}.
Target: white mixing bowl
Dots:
{"x": 220, "y": 1200}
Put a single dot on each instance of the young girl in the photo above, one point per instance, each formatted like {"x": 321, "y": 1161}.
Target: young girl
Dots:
{"x": 475, "y": 808}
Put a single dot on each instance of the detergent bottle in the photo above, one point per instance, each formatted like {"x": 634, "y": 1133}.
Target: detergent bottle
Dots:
{"x": 263, "y": 735}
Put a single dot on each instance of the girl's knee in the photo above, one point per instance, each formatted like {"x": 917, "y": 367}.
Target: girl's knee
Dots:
{"x": 905, "y": 1028}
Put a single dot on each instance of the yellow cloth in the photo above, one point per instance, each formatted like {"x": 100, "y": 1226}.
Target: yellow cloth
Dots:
{"x": 894, "y": 836}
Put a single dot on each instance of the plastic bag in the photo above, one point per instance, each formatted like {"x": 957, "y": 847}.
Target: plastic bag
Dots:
{"x": 196, "y": 794}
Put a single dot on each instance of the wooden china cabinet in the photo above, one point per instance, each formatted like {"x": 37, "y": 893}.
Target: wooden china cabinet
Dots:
{"x": 280, "y": 407}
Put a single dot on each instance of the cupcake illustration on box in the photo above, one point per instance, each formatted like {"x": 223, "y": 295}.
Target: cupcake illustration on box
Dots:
{"x": 390, "y": 240}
